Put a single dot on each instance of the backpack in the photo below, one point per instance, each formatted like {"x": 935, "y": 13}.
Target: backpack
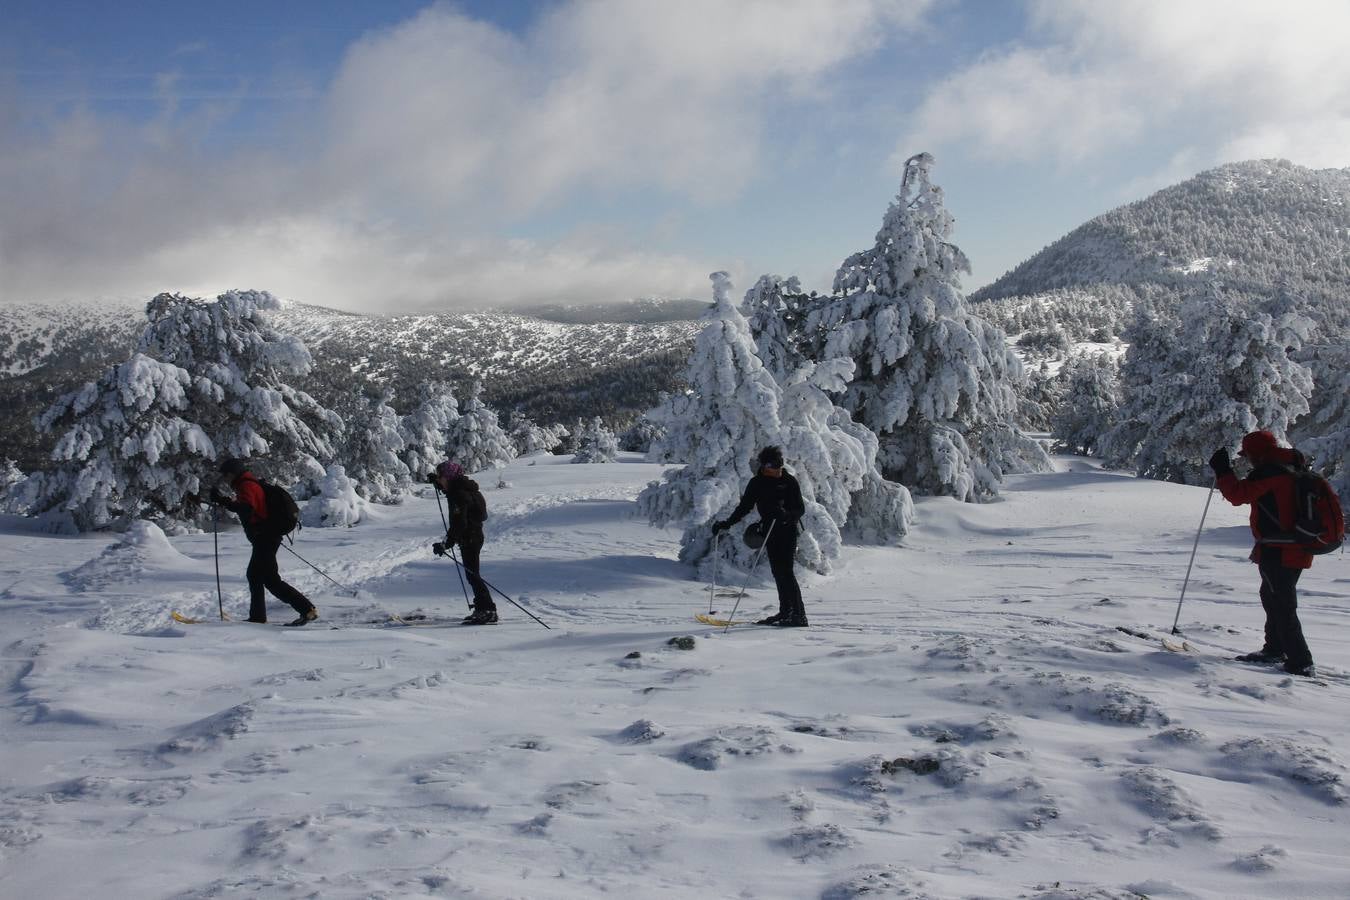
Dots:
{"x": 283, "y": 513}
{"x": 1319, "y": 523}
{"x": 477, "y": 504}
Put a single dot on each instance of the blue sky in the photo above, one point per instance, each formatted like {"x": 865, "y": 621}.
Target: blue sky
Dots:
{"x": 401, "y": 155}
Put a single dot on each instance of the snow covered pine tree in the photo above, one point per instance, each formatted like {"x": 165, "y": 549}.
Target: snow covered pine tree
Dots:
{"x": 208, "y": 381}
{"x": 934, "y": 381}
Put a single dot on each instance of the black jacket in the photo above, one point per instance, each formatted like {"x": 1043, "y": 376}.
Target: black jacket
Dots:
{"x": 776, "y": 499}
{"x": 468, "y": 510}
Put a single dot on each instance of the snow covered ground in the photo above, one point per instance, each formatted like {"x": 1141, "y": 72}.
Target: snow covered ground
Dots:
{"x": 963, "y": 718}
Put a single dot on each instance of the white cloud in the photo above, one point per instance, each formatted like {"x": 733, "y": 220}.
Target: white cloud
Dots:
{"x": 1223, "y": 80}
{"x": 450, "y": 134}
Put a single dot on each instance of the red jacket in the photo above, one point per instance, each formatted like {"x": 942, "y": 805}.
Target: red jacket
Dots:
{"x": 1270, "y": 491}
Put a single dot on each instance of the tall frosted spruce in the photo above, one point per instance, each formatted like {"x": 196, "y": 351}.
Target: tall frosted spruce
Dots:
{"x": 934, "y": 382}
{"x": 208, "y": 380}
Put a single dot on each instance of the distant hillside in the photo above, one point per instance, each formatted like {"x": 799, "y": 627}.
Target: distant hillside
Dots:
{"x": 551, "y": 371}
{"x": 635, "y": 312}
{"x": 1254, "y": 224}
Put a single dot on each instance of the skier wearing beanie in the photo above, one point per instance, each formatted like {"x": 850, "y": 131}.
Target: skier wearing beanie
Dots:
{"x": 250, "y": 504}
{"x": 467, "y": 511}
{"x": 1269, "y": 488}
{"x": 778, "y": 498}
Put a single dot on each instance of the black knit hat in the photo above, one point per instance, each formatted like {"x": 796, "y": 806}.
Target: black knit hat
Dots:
{"x": 233, "y": 467}
{"x": 771, "y": 456}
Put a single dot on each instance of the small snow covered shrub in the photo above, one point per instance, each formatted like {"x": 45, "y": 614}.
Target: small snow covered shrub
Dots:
{"x": 596, "y": 444}
{"x": 336, "y": 502}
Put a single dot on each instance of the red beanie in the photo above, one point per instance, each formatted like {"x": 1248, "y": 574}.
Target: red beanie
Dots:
{"x": 1259, "y": 445}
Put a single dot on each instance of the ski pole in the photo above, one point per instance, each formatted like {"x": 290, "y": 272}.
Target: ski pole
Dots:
{"x": 215, "y": 546}
{"x": 351, "y": 591}
{"x": 754, "y": 564}
{"x": 712, "y": 588}
{"x": 462, "y": 586}
{"x": 1192, "y": 562}
{"x": 474, "y": 574}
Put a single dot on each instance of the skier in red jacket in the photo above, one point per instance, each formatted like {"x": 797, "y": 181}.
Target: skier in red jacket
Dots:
{"x": 1269, "y": 488}
{"x": 250, "y": 504}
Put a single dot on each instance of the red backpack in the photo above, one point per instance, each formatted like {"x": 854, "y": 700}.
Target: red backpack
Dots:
{"x": 1319, "y": 524}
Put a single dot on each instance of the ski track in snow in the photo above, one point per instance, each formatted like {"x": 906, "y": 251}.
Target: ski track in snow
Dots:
{"x": 963, "y": 718}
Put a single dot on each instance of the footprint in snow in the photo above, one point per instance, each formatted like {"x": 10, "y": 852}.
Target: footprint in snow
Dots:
{"x": 737, "y": 741}
{"x": 1168, "y": 803}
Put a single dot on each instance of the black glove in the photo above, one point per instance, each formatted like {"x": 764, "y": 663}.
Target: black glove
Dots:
{"x": 1220, "y": 462}
{"x": 218, "y": 498}
{"x": 438, "y": 548}
{"x": 431, "y": 479}
{"x": 720, "y": 525}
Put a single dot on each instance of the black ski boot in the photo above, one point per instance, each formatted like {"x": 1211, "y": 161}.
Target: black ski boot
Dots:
{"x": 773, "y": 619}
{"x": 1263, "y": 655}
{"x": 481, "y": 616}
{"x": 796, "y": 620}
{"x": 306, "y": 617}
{"x": 1307, "y": 670}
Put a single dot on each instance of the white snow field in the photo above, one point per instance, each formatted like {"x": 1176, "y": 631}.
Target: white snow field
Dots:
{"x": 963, "y": 718}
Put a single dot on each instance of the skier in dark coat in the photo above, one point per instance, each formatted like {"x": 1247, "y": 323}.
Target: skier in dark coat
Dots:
{"x": 467, "y": 511}
{"x": 778, "y": 499}
{"x": 1270, "y": 490}
{"x": 250, "y": 504}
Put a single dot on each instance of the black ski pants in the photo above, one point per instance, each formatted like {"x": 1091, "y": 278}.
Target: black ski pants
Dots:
{"x": 262, "y": 573}
{"x": 781, "y": 548}
{"x": 470, "y": 551}
{"x": 1279, "y": 598}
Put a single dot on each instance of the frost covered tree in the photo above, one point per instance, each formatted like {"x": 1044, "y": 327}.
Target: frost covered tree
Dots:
{"x": 1324, "y": 433}
{"x": 597, "y": 444}
{"x": 934, "y": 382}
{"x": 10, "y": 475}
{"x": 834, "y": 460}
{"x": 372, "y": 448}
{"x": 476, "y": 440}
{"x": 528, "y": 437}
{"x": 1042, "y": 393}
{"x": 208, "y": 380}
{"x": 734, "y": 407}
{"x": 729, "y": 412}
{"x": 126, "y": 449}
{"x": 241, "y": 366}
{"x": 776, "y": 309}
{"x": 1200, "y": 383}
{"x": 426, "y": 428}
{"x": 1087, "y": 410}
{"x": 641, "y": 435}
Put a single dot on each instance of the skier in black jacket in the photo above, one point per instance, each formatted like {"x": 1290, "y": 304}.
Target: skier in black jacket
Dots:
{"x": 778, "y": 498}
{"x": 467, "y": 510}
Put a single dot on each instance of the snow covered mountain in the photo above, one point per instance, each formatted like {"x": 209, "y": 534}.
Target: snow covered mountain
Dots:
{"x": 1257, "y": 224}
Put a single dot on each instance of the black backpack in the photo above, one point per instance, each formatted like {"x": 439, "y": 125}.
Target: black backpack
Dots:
{"x": 283, "y": 513}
